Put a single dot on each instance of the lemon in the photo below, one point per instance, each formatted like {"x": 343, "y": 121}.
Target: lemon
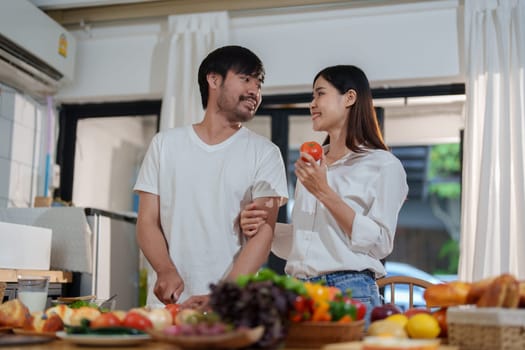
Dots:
{"x": 386, "y": 328}
{"x": 422, "y": 326}
{"x": 398, "y": 318}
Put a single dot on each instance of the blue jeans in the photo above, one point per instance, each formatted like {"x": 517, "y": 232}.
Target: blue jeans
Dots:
{"x": 362, "y": 284}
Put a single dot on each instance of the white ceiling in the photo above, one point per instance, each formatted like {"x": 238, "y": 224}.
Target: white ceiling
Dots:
{"x": 65, "y": 4}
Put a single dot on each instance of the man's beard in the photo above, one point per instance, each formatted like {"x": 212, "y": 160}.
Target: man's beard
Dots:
{"x": 236, "y": 114}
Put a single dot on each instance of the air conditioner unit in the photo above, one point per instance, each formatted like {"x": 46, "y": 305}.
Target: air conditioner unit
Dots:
{"x": 37, "y": 55}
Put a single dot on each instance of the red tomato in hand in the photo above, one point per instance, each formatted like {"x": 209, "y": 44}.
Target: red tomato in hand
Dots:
{"x": 173, "y": 309}
{"x": 137, "y": 321}
{"x": 106, "y": 319}
{"x": 312, "y": 148}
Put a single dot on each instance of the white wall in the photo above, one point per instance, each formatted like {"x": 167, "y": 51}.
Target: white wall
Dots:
{"x": 22, "y": 151}
{"x": 108, "y": 154}
{"x": 398, "y": 45}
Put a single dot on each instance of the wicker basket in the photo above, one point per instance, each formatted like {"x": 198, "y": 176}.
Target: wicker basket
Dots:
{"x": 317, "y": 334}
{"x": 3, "y": 285}
{"x": 473, "y": 328}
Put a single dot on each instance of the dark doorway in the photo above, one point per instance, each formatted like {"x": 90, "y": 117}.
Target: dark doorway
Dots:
{"x": 69, "y": 117}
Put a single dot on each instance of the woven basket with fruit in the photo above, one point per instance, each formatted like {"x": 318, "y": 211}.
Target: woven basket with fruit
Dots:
{"x": 301, "y": 314}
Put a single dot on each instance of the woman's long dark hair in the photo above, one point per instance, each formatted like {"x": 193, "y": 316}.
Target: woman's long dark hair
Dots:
{"x": 363, "y": 128}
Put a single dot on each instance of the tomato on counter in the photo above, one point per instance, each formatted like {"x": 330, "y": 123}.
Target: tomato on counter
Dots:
{"x": 137, "y": 321}
{"x": 173, "y": 309}
{"x": 107, "y": 319}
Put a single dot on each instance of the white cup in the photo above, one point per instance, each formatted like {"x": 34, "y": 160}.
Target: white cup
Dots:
{"x": 32, "y": 292}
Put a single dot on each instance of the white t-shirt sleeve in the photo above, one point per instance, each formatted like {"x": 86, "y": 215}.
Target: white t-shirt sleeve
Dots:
{"x": 374, "y": 232}
{"x": 282, "y": 240}
{"x": 270, "y": 177}
{"x": 148, "y": 178}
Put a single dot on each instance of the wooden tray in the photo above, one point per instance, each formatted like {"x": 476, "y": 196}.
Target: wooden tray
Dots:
{"x": 5, "y": 329}
{"x": 317, "y": 334}
{"x": 231, "y": 340}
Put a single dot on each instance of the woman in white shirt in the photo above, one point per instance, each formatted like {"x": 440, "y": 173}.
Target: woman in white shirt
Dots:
{"x": 346, "y": 205}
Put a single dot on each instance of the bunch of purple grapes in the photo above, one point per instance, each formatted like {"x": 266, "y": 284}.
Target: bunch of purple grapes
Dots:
{"x": 258, "y": 303}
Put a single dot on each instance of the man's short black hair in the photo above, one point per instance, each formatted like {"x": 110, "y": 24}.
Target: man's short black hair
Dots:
{"x": 236, "y": 58}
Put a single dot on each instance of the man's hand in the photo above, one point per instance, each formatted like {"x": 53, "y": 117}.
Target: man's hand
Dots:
{"x": 251, "y": 219}
{"x": 169, "y": 286}
{"x": 197, "y": 302}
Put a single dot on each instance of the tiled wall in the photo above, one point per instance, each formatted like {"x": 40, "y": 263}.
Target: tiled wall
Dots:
{"x": 21, "y": 120}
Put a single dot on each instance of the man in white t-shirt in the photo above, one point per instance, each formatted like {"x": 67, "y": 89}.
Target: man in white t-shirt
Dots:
{"x": 195, "y": 179}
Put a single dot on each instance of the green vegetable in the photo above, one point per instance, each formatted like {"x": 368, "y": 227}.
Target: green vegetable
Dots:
{"x": 81, "y": 303}
{"x": 265, "y": 274}
{"x": 338, "y": 309}
{"x": 85, "y": 329}
{"x": 243, "y": 280}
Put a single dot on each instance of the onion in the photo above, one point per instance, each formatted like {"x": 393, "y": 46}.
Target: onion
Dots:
{"x": 161, "y": 318}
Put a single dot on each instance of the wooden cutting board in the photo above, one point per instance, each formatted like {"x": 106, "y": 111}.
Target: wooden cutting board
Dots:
{"x": 357, "y": 345}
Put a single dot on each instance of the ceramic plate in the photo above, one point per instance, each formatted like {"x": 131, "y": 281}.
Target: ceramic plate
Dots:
{"x": 15, "y": 339}
{"x": 40, "y": 334}
{"x": 104, "y": 340}
{"x": 231, "y": 340}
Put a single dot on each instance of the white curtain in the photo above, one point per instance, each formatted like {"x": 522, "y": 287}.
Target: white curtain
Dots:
{"x": 493, "y": 214}
{"x": 192, "y": 38}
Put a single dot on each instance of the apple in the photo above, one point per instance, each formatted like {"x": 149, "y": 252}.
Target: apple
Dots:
{"x": 383, "y": 311}
{"x": 441, "y": 316}
{"x": 414, "y": 311}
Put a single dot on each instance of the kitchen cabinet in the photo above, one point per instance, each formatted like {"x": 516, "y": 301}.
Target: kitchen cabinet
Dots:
{"x": 58, "y": 282}
{"x": 97, "y": 246}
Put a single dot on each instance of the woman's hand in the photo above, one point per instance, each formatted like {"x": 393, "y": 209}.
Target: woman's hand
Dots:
{"x": 311, "y": 174}
{"x": 197, "y": 302}
{"x": 251, "y": 219}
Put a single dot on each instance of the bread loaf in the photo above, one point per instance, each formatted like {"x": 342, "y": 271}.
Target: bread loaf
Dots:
{"x": 45, "y": 324}
{"x": 501, "y": 291}
{"x": 494, "y": 294}
{"x": 14, "y": 313}
{"x": 447, "y": 294}
{"x": 477, "y": 289}
{"x": 63, "y": 311}
{"x": 512, "y": 299}
{"x": 522, "y": 294}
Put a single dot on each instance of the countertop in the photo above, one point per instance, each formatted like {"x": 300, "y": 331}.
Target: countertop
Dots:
{"x": 10, "y": 275}
{"x": 64, "y": 345}
{"x": 154, "y": 345}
